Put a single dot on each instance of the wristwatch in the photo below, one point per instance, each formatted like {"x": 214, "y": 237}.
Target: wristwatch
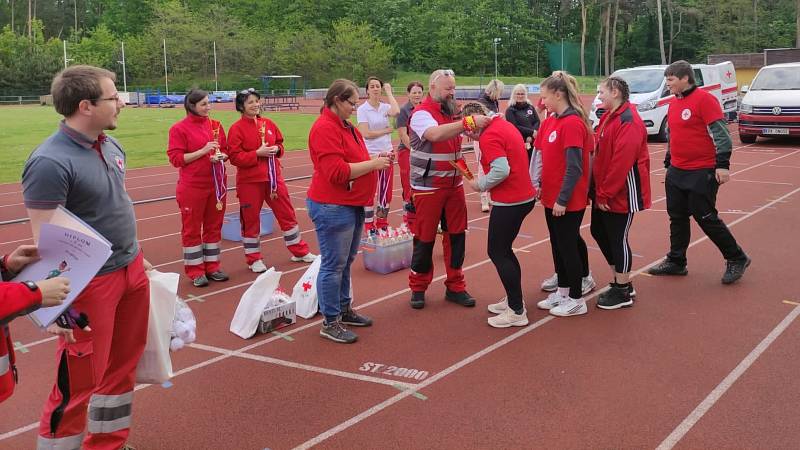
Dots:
{"x": 31, "y": 285}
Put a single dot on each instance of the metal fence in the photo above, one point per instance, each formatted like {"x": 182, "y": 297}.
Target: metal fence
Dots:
{"x": 19, "y": 100}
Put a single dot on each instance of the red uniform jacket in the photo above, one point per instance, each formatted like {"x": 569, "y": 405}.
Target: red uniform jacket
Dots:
{"x": 244, "y": 138}
{"x": 501, "y": 139}
{"x": 333, "y": 144}
{"x": 15, "y": 299}
{"x": 187, "y": 136}
{"x": 621, "y": 171}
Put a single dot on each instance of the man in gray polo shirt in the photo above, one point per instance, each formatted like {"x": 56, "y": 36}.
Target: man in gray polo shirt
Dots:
{"x": 83, "y": 170}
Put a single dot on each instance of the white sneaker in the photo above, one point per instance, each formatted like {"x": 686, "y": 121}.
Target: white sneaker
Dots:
{"x": 587, "y": 284}
{"x": 258, "y": 267}
{"x": 570, "y": 307}
{"x": 307, "y": 258}
{"x": 498, "y": 308}
{"x": 552, "y": 300}
{"x": 550, "y": 284}
{"x": 509, "y": 318}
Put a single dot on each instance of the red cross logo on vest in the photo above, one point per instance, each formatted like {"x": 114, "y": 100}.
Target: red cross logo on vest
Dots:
{"x": 306, "y": 286}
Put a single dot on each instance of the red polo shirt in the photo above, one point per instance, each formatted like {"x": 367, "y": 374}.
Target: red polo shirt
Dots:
{"x": 333, "y": 144}
{"x": 556, "y": 135}
{"x": 501, "y": 139}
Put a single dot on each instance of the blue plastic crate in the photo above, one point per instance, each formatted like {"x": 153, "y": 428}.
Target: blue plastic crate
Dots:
{"x": 232, "y": 226}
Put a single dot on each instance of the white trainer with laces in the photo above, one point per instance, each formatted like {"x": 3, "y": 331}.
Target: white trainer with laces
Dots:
{"x": 552, "y": 300}
{"x": 307, "y": 258}
{"x": 587, "y": 284}
{"x": 570, "y": 307}
{"x": 509, "y": 318}
{"x": 550, "y": 284}
{"x": 258, "y": 267}
{"x": 498, "y": 308}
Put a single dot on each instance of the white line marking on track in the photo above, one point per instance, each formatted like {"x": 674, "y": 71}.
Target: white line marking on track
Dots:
{"x": 295, "y": 365}
{"x": 684, "y": 427}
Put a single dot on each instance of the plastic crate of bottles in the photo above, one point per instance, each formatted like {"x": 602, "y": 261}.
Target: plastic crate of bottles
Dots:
{"x": 387, "y": 251}
{"x": 277, "y": 316}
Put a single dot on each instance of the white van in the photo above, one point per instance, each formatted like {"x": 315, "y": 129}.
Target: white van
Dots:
{"x": 771, "y": 105}
{"x": 650, "y": 95}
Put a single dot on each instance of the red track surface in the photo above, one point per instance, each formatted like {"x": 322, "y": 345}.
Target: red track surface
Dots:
{"x": 693, "y": 364}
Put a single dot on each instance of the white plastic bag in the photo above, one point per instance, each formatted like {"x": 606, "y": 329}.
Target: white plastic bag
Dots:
{"x": 304, "y": 293}
{"x": 184, "y": 327}
{"x": 253, "y": 302}
{"x": 155, "y": 366}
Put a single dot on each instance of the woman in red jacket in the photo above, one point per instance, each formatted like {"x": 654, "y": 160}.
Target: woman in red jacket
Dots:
{"x": 561, "y": 170}
{"x": 255, "y": 143}
{"x": 21, "y": 298}
{"x": 504, "y": 162}
{"x": 343, "y": 183}
{"x": 621, "y": 186}
{"x": 196, "y": 146}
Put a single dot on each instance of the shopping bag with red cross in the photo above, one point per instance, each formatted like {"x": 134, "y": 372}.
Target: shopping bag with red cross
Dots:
{"x": 304, "y": 293}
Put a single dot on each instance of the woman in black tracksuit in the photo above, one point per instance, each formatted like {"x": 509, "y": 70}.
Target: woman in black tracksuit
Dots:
{"x": 522, "y": 114}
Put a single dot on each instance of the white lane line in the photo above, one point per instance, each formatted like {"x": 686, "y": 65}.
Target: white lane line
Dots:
{"x": 684, "y": 427}
{"x": 764, "y": 182}
{"x": 385, "y": 404}
{"x": 307, "y": 367}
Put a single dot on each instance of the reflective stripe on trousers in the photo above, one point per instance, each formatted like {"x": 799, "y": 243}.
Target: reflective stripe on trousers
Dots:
{"x": 109, "y": 413}
{"x": 62, "y": 443}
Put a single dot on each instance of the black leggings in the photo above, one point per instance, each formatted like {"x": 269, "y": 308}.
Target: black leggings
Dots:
{"x": 504, "y": 225}
{"x": 610, "y": 230}
{"x": 569, "y": 249}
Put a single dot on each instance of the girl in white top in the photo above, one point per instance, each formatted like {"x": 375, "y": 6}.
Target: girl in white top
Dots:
{"x": 373, "y": 122}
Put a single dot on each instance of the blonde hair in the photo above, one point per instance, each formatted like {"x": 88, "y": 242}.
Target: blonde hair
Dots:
{"x": 519, "y": 87}
{"x": 474, "y": 108}
{"x": 495, "y": 89}
{"x": 565, "y": 83}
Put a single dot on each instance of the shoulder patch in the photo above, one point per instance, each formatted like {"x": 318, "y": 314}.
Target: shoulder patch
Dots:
{"x": 626, "y": 116}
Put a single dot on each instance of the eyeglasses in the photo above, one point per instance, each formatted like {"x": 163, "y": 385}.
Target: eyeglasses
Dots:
{"x": 115, "y": 98}
{"x": 443, "y": 73}
{"x": 353, "y": 104}
{"x": 247, "y": 91}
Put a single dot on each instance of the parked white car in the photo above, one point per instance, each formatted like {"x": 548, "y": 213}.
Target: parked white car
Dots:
{"x": 650, "y": 95}
{"x": 771, "y": 105}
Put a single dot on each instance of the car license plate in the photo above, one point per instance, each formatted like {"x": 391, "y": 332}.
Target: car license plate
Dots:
{"x": 774, "y": 131}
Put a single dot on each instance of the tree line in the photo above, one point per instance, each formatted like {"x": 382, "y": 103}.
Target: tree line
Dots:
{"x": 325, "y": 39}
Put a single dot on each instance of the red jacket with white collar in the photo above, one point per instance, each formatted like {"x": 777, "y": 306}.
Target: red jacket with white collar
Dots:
{"x": 621, "y": 170}
{"x": 244, "y": 138}
{"x": 15, "y": 299}
{"x": 189, "y": 135}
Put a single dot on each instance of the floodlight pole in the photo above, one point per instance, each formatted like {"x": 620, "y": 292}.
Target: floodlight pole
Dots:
{"x": 65, "y": 53}
{"x": 124, "y": 75}
{"x": 495, "y": 41}
{"x": 216, "y": 80}
{"x": 166, "y": 80}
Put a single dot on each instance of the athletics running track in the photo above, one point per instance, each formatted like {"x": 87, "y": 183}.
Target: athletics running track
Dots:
{"x": 694, "y": 364}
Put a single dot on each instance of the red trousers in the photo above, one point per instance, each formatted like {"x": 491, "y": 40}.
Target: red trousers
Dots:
{"x": 202, "y": 229}
{"x": 448, "y": 207}
{"x": 404, "y": 163}
{"x": 251, "y": 197}
{"x": 370, "y": 219}
{"x": 98, "y": 371}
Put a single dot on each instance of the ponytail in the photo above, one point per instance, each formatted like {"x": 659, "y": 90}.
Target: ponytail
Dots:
{"x": 566, "y": 84}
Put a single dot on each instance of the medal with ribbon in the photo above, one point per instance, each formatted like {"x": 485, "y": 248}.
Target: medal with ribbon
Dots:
{"x": 382, "y": 211}
{"x": 271, "y": 170}
{"x": 218, "y": 170}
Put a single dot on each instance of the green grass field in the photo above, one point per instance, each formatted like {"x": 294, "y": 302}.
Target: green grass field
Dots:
{"x": 142, "y": 132}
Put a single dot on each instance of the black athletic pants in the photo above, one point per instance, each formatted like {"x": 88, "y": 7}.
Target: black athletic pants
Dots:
{"x": 504, "y": 225}
{"x": 694, "y": 193}
{"x": 569, "y": 249}
{"x": 610, "y": 230}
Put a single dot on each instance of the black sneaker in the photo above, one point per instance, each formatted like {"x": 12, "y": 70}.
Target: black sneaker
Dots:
{"x": 462, "y": 298}
{"x": 667, "y": 267}
{"x": 617, "y": 296}
{"x": 218, "y": 276}
{"x": 352, "y": 318}
{"x": 200, "y": 281}
{"x": 336, "y": 332}
{"x": 418, "y": 300}
{"x": 735, "y": 269}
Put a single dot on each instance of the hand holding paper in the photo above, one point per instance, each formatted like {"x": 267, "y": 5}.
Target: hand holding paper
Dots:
{"x": 461, "y": 166}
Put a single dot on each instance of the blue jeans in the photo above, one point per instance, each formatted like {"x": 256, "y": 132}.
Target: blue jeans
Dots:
{"x": 339, "y": 236}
